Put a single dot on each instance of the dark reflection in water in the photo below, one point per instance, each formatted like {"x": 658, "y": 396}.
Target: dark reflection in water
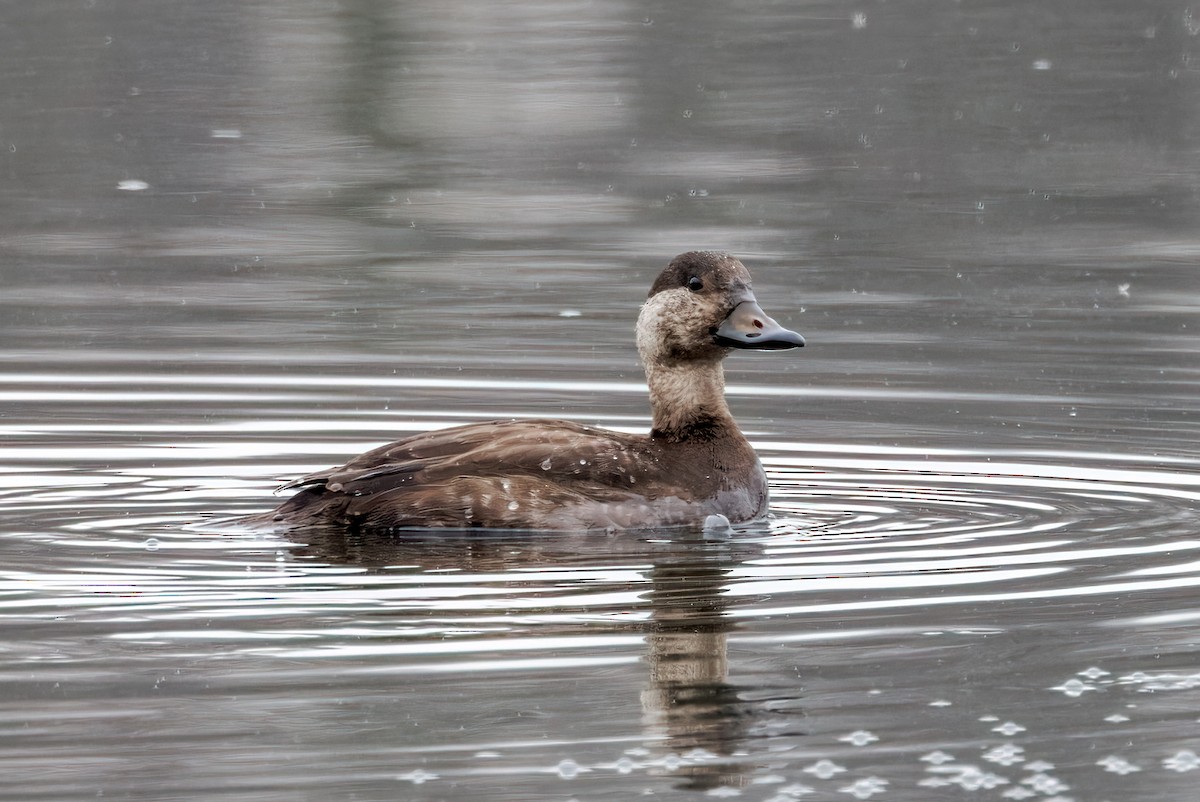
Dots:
{"x": 240, "y": 241}
{"x": 689, "y": 701}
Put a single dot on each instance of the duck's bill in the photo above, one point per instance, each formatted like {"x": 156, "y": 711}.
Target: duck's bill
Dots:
{"x": 748, "y": 326}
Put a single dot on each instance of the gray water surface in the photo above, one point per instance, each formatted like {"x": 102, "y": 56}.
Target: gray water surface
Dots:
{"x": 243, "y": 241}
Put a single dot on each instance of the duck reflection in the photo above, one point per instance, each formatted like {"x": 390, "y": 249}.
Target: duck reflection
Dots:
{"x": 694, "y": 718}
{"x": 689, "y": 706}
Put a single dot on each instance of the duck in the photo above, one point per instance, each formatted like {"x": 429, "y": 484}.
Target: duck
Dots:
{"x": 543, "y": 474}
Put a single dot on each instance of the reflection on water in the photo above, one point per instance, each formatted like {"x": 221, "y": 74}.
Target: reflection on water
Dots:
{"x": 244, "y": 241}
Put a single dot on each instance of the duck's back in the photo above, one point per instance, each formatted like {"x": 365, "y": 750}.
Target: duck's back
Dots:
{"x": 537, "y": 474}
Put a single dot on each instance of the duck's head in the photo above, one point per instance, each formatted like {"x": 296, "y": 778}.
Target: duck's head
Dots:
{"x": 700, "y": 307}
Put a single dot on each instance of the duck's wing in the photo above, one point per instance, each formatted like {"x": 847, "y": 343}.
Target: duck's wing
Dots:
{"x": 536, "y": 447}
{"x": 405, "y": 455}
{"x": 473, "y": 475}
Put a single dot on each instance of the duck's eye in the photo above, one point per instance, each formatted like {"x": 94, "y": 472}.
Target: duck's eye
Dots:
{"x": 695, "y": 284}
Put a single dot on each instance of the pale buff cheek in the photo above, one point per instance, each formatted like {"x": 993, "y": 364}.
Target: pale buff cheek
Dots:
{"x": 664, "y": 323}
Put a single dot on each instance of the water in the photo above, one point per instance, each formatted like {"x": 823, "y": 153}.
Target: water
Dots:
{"x": 243, "y": 241}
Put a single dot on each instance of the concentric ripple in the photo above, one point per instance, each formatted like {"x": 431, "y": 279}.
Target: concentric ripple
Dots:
{"x": 861, "y": 641}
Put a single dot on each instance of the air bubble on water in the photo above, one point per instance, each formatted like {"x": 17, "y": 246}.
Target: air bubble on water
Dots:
{"x": 717, "y": 525}
{"x": 570, "y": 313}
{"x": 866, "y": 787}
{"x": 132, "y": 185}
{"x": 545, "y": 464}
{"x": 417, "y": 777}
{"x": 1009, "y": 729}
{"x": 1117, "y": 765}
{"x": 226, "y": 133}
{"x": 858, "y": 21}
{"x": 1182, "y": 761}
{"x": 860, "y": 738}
{"x": 513, "y": 506}
{"x": 1042, "y": 64}
{"x": 825, "y": 769}
{"x": 937, "y": 757}
{"x": 1074, "y": 687}
{"x": 568, "y": 769}
{"x": 151, "y": 544}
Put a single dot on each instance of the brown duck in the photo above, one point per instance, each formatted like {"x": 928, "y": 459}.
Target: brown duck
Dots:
{"x": 560, "y": 475}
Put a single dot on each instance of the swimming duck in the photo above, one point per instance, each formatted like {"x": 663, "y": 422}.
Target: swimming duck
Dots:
{"x": 561, "y": 475}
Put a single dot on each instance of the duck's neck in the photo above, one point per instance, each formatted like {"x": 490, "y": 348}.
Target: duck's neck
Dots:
{"x": 688, "y": 401}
